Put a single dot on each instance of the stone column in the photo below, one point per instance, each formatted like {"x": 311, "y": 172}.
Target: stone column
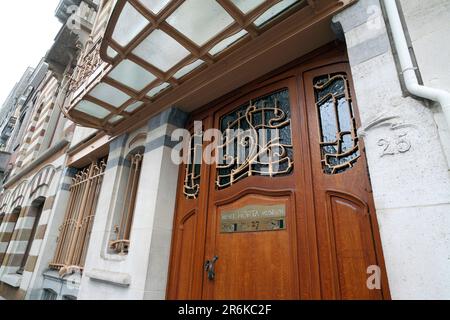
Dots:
{"x": 159, "y": 197}
{"x": 43, "y": 250}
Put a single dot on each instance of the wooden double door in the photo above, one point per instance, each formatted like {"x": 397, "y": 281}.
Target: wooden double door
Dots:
{"x": 287, "y": 212}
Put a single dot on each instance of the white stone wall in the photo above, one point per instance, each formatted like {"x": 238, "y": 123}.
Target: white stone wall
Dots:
{"x": 142, "y": 274}
{"x": 404, "y": 143}
{"x": 429, "y": 29}
{"x": 80, "y": 134}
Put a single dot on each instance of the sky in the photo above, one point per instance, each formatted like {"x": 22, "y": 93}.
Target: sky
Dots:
{"x": 27, "y": 31}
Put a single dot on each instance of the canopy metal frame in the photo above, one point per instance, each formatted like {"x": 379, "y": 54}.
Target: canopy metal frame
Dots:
{"x": 241, "y": 21}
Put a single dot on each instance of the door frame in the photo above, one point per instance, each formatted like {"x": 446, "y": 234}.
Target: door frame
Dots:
{"x": 310, "y": 279}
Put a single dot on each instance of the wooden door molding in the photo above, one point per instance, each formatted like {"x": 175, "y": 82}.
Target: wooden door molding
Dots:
{"x": 242, "y": 255}
{"x": 188, "y": 241}
{"x": 321, "y": 208}
{"x": 353, "y": 185}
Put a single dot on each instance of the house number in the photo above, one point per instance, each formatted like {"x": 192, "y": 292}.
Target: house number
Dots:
{"x": 395, "y": 146}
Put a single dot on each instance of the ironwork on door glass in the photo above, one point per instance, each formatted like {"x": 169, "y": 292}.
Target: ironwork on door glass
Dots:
{"x": 339, "y": 139}
{"x": 193, "y": 167}
{"x": 256, "y": 140}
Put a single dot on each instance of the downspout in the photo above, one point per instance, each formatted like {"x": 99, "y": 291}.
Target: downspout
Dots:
{"x": 407, "y": 66}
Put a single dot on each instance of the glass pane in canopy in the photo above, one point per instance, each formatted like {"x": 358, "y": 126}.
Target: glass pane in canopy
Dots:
{"x": 111, "y": 52}
{"x": 129, "y": 24}
{"x": 247, "y": 5}
{"x": 200, "y": 20}
{"x": 132, "y": 75}
{"x": 154, "y": 6}
{"x": 161, "y": 50}
{"x": 133, "y": 107}
{"x": 274, "y": 11}
{"x": 109, "y": 94}
{"x": 184, "y": 71}
{"x": 227, "y": 42}
{"x": 116, "y": 119}
{"x": 92, "y": 109}
{"x": 157, "y": 89}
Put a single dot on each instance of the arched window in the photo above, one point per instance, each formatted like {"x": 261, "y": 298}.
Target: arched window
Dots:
{"x": 75, "y": 232}
{"x": 124, "y": 219}
{"x": 7, "y": 236}
{"x": 35, "y": 212}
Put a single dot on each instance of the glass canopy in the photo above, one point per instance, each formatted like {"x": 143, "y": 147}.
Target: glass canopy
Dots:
{"x": 152, "y": 46}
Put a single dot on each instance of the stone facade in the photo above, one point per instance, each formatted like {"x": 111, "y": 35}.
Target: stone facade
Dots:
{"x": 407, "y": 161}
{"x": 407, "y": 145}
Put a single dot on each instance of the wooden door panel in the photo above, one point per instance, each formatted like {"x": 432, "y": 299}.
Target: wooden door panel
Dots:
{"x": 330, "y": 233}
{"x": 186, "y": 251}
{"x": 189, "y": 231}
{"x": 353, "y": 244}
{"x": 255, "y": 264}
{"x": 347, "y": 232}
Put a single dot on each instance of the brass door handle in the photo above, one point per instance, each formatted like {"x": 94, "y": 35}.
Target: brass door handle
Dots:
{"x": 210, "y": 268}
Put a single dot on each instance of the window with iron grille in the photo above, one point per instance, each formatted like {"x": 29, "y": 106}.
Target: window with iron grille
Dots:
{"x": 36, "y": 211}
{"x": 49, "y": 294}
{"x": 76, "y": 229}
{"x": 123, "y": 221}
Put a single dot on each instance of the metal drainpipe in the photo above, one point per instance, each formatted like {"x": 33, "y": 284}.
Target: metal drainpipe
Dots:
{"x": 407, "y": 66}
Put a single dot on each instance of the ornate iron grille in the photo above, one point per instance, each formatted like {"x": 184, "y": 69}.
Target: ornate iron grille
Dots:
{"x": 337, "y": 124}
{"x": 123, "y": 231}
{"x": 75, "y": 231}
{"x": 49, "y": 294}
{"x": 257, "y": 140}
{"x": 86, "y": 67}
{"x": 193, "y": 167}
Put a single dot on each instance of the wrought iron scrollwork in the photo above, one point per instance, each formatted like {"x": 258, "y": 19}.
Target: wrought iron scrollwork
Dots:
{"x": 257, "y": 140}
{"x": 337, "y": 124}
{"x": 193, "y": 167}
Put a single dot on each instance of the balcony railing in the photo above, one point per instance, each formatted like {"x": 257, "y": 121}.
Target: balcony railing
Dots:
{"x": 88, "y": 69}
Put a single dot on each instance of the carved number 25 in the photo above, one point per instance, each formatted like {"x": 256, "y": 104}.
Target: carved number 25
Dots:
{"x": 395, "y": 146}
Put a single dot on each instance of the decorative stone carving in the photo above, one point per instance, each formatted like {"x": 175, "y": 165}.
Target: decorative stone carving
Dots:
{"x": 397, "y": 140}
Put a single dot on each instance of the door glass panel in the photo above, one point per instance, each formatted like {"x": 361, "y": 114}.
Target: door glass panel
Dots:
{"x": 193, "y": 167}
{"x": 339, "y": 139}
{"x": 257, "y": 140}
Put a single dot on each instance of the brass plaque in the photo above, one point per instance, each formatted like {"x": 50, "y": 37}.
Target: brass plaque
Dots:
{"x": 254, "y": 218}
